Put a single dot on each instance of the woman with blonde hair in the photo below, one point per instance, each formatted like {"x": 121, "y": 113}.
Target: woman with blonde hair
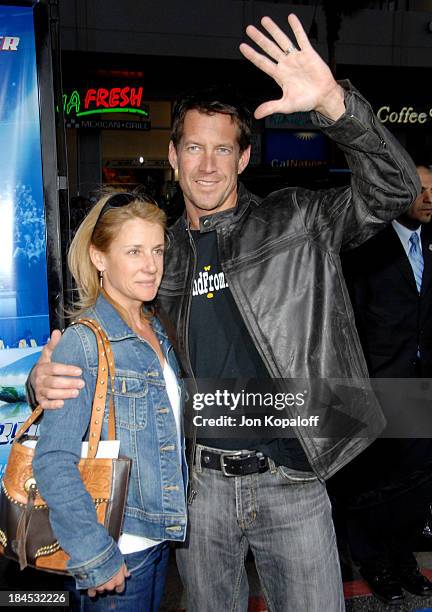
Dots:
{"x": 116, "y": 259}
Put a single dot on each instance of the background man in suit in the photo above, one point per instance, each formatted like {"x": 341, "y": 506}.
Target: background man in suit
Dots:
{"x": 390, "y": 282}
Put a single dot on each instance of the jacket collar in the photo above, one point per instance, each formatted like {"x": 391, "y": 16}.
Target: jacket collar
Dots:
{"x": 114, "y": 326}
{"x": 210, "y": 222}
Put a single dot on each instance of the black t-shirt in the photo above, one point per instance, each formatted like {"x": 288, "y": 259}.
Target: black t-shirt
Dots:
{"x": 221, "y": 348}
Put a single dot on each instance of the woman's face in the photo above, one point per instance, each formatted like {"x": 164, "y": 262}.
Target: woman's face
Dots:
{"x": 133, "y": 265}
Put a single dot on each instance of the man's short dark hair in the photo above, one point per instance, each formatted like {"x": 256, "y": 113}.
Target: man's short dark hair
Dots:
{"x": 210, "y": 101}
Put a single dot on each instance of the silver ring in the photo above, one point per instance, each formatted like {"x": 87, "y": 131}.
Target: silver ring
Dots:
{"x": 289, "y": 50}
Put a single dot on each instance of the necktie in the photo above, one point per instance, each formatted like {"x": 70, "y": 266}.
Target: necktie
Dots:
{"x": 416, "y": 259}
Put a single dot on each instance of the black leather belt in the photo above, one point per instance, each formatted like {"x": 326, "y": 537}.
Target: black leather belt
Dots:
{"x": 231, "y": 464}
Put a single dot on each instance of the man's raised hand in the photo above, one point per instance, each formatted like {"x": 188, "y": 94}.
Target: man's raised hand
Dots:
{"x": 305, "y": 79}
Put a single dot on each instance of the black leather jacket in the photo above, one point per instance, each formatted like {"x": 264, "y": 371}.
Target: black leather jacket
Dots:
{"x": 280, "y": 256}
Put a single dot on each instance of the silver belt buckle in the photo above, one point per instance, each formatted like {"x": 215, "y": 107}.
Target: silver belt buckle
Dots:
{"x": 222, "y": 462}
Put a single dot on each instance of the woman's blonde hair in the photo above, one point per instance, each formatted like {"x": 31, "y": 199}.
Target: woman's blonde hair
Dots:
{"x": 100, "y": 231}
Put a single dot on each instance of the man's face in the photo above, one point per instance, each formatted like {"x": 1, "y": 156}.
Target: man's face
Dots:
{"x": 420, "y": 210}
{"x": 208, "y": 160}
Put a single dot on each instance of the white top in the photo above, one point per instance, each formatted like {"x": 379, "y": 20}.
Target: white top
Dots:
{"x": 173, "y": 392}
{"x": 129, "y": 543}
{"x": 405, "y": 234}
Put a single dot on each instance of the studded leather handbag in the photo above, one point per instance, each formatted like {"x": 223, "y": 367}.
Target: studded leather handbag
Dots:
{"x": 25, "y": 531}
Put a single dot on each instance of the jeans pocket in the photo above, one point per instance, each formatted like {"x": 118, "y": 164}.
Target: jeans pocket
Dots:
{"x": 134, "y": 561}
{"x": 296, "y": 476}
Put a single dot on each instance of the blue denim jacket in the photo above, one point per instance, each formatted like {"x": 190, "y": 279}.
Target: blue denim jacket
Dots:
{"x": 156, "y": 506}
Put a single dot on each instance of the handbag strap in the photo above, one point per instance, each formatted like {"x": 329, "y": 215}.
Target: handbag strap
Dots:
{"x": 106, "y": 372}
{"x": 106, "y": 368}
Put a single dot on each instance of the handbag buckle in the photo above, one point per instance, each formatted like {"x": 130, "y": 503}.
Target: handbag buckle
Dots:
{"x": 30, "y": 485}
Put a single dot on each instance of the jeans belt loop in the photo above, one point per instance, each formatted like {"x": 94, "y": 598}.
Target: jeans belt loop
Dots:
{"x": 197, "y": 460}
{"x": 272, "y": 466}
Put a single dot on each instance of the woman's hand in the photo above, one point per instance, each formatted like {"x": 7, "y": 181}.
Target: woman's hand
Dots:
{"x": 116, "y": 583}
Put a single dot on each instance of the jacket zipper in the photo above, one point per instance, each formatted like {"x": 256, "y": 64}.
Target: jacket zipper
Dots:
{"x": 252, "y": 335}
{"x": 192, "y": 493}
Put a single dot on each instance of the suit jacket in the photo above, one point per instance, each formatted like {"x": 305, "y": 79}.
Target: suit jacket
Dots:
{"x": 393, "y": 320}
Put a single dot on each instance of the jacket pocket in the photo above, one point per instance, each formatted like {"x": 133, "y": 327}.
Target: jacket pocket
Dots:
{"x": 130, "y": 400}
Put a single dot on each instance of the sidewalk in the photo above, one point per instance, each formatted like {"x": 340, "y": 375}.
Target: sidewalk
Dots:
{"x": 357, "y": 594}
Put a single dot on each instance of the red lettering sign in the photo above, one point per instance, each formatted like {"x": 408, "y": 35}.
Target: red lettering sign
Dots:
{"x": 89, "y": 97}
{"x": 115, "y": 97}
{"x": 102, "y": 95}
{"x": 135, "y": 96}
{"x": 124, "y": 96}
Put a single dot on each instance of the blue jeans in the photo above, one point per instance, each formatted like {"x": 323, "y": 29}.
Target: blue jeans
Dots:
{"x": 284, "y": 517}
{"x": 143, "y": 590}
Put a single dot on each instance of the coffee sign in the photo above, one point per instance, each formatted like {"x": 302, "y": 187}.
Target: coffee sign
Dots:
{"x": 404, "y": 116}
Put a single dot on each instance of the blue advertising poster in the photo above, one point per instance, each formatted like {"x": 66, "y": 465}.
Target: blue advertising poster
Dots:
{"x": 24, "y": 318}
{"x": 14, "y": 368}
